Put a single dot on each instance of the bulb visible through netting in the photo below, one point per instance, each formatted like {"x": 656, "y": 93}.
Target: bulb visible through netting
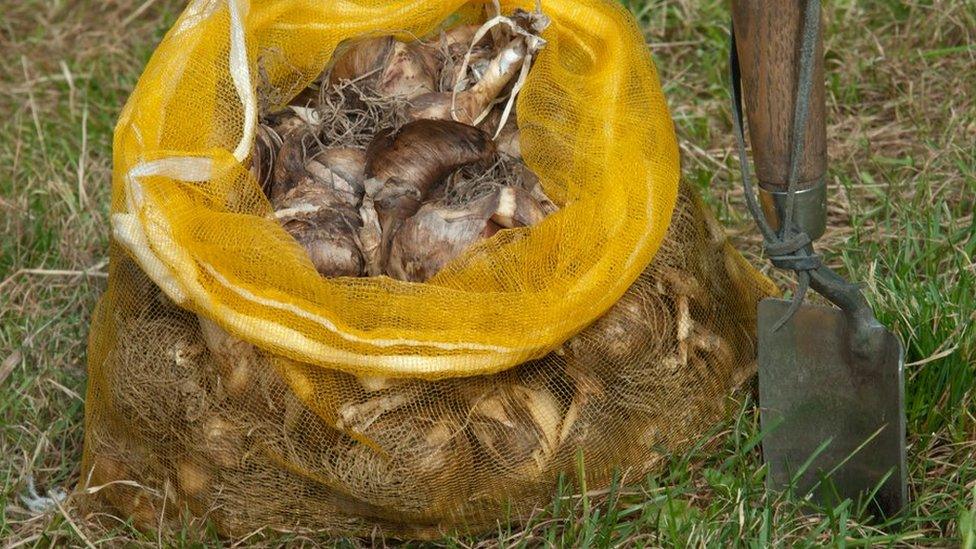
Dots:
{"x": 416, "y": 456}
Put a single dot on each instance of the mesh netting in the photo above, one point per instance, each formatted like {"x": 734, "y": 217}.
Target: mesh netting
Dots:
{"x": 230, "y": 381}
{"x": 222, "y": 433}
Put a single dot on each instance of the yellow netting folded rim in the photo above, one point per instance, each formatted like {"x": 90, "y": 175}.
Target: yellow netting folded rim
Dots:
{"x": 142, "y": 226}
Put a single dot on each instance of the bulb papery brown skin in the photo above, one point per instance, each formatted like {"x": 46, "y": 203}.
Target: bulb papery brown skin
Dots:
{"x": 412, "y": 461}
{"x": 410, "y": 71}
{"x": 347, "y": 162}
{"x": 407, "y": 163}
{"x": 342, "y": 190}
{"x": 458, "y": 35}
{"x": 372, "y": 384}
{"x": 222, "y": 441}
{"x": 329, "y": 245}
{"x": 321, "y": 220}
{"x": 357, "y": 417}
{"x": 424, "y": 152}
{"x": 345, "y": 206}
{"x": 589, "y": 394}
{"x": 509, "y": 140}
{"x": 289, "y": 169}
{"x": 453, "y": 45}
{"x": 193, "y": 479}
{"x": 439, "y": 232}
{"x": 285, "y": 123}
{"x": 531, "y": 182}
{"x": 317, "y": 206}
{"x": 371, "y": 234}
{"x": 268, "y": 141}
{"x": 392, "y": 68}
{"x": 359, "y": 59}
{"x": 340, "y": 168}
{"x": 516, "y": 208}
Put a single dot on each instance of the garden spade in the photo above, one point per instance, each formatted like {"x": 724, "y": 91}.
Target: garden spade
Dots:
{"x": 831, "y": 379}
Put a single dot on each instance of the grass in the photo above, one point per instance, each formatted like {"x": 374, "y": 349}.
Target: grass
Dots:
{"x": 902, "y": 123}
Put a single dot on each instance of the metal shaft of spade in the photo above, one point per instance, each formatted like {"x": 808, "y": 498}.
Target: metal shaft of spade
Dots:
{"x": 831, "y": 379}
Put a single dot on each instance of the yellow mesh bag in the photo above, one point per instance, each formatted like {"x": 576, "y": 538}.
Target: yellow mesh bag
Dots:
{"x": 230, "y": 380}
{"x": 594, "y": 126}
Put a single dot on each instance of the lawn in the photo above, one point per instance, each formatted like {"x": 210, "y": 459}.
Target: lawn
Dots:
{"x": 901, "y": 77}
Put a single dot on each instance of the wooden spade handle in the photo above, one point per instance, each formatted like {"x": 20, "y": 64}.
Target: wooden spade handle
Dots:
{"x": 768, "y": 36}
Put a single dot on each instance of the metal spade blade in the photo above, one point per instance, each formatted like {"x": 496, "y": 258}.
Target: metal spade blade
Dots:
{"x": 832, "y": 406}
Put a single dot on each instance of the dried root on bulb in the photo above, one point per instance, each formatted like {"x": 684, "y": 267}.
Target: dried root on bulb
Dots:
{"x": 419, "y": 462}
{"x": 157, "y": 375}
